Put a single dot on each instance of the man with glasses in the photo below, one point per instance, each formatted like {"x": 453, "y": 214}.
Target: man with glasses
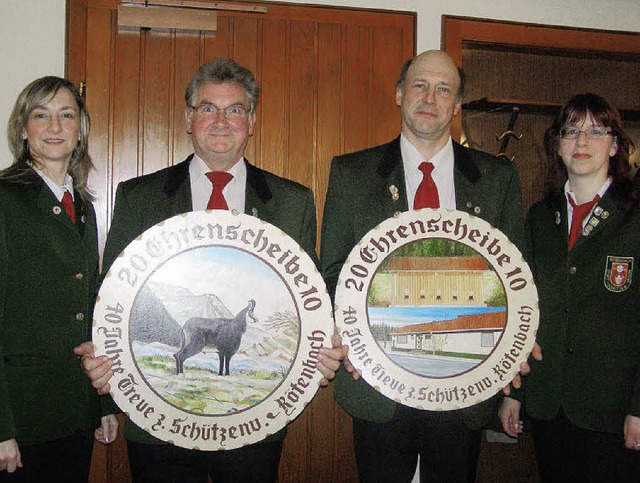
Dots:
{"x": 220, "y": 117}
{"x": 423, "y": 167}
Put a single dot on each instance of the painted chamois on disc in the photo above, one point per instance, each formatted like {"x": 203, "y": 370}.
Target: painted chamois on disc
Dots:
{"x": 224, "y": 334}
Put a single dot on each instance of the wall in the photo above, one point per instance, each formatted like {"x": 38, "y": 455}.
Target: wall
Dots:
{"x": 32, "y": 31}
{"x": 32, "y": 39}
{"x": 609, "y": 15}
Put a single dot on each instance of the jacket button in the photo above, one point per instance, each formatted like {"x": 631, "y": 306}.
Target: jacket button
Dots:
{"x": 79, "y": 316}
{"x": 79, "y": 276}
{"x": 569, "y": 350}
{"x": 573, "y": 270}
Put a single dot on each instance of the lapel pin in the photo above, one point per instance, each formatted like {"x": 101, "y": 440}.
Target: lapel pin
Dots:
{"x": 254, "y": 212}
{"x": 394, "y": 193}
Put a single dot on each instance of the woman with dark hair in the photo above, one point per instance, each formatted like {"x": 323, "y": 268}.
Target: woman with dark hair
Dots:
{"x": 48, "y": 268}
{"x": 583, "y": 397}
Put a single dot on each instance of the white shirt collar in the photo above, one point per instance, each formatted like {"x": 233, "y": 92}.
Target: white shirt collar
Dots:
{"x": 601, "y": 191}
{"x": 234, "y": 191}
{"x": 57, "y": 190}
{"x": 567, "y": 192}
{"x": 442, "y": 173}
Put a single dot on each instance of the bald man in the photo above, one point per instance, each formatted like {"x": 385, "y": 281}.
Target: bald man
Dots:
{"x": 388, "y": 437}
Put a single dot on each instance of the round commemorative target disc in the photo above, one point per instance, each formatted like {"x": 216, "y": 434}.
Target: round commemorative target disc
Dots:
{"x": 438, "y": 309}
{"x": 213, "y": 321}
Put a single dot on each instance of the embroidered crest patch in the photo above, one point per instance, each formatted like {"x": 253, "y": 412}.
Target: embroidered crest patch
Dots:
{"x": 617, "y": 276}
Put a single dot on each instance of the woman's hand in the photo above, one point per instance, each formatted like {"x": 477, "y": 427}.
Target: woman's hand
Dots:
{"x": 108, "y": 430}
{"x": 509, "y": 415}
{"x": 10, "y": 456}
{"x": 632, "y": 432}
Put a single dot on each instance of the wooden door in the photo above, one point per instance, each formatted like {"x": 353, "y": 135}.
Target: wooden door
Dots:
{"x": 327, "y": 78}
{"x": 537, "y": 68}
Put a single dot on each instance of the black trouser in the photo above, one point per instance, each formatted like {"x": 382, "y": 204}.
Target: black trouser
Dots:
{"x": 67, "y": 459}
{"x": 388, "y": 452}
{"x": 165, "y": 463}
{"x": 567, "y": 453}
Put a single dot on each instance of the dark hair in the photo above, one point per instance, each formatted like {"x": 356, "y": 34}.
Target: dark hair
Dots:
{"x": 597, "y": 108}
{"x": 220, "y": 71}
{"x": 407, "y": 64}
{"x": 36, "y": 94}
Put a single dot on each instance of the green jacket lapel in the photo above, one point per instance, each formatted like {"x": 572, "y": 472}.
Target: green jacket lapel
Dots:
{"x": 177, "y": 189}
{"x": 390, "y": 181}
{"x": 257, "y": 194}
{"x": 465, "y": 174}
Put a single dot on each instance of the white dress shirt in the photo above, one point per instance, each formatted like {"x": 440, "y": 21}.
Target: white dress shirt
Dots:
{"x": 442, "y": 173}
{"x": 567, "y": 191}
{"x": 57, "y": 190}
{"x": 234, "y": 192}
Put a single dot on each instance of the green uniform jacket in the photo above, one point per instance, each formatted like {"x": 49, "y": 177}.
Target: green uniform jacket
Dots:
{"x": 359, "y": 198}
{"x": 589, "y": 327}
{"x": 146, "y": 201}
{"x": 48, "y": 269}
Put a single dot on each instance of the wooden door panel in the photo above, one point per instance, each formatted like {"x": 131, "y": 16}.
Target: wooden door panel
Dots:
{"x": 387, "y": 51}
{"x": 127, "y": 91}
{"x": 186, "y": 59}
{"x": 96, "y": 75}
{"x": 330, "y": 103}
{"x": 301, "y": 102}
{"x": 357, "y": 69}
{"x": 273, "y": 104}
{"x": 156, "y": 124}
{"x": 327, "y": 76}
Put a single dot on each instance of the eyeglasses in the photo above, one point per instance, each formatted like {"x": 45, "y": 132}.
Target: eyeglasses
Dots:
{"x": 592, "y": 133}
{"x": 234, "y": 111}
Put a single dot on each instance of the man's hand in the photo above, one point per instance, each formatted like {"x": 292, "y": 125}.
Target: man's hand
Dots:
{"x": 97, "y": 369}
{"x": 632, "y": 432}
{"x": 350, "y": 369}
{"x": 108, "y": 430}
{"x": 525, "y": 369}
{"x": 10, "y": 456}
{"x": 329, "y": 359}
{"x": 509, "y": 414}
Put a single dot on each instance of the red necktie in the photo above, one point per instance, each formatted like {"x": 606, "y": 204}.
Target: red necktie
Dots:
{"x": 67, "y": 203}
{"x": 579, "y": 214}
{"x": 427, "y": 193}
{"x": 219, "y": 180}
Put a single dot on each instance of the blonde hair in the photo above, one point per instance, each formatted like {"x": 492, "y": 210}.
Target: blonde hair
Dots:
{"x": 36, "y": 94}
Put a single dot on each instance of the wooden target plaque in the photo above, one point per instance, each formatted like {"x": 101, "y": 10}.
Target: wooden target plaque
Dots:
{"x": 438, "y": 308}
{"x": 213, "y": 320}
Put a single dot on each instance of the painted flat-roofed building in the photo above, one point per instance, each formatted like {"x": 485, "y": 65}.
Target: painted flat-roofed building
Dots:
{"x": 469, "y": 334}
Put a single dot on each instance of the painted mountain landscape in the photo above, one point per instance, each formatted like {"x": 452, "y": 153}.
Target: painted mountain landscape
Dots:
{"x": 171, "y": 316}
